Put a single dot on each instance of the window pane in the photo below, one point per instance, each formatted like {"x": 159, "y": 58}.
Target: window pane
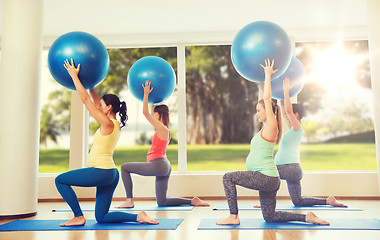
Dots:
{"x": 339, "y": 131}
{"x": 135, "y": 139}
{"x": 337, "y": 95}
{"x": 220, "y": 110}
{"x": 55, "y": 103}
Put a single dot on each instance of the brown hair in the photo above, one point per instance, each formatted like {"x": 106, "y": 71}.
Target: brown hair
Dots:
{"x": 163, "y": 112}
{"x": 117, "y": 107}
{"x": 277, "y": 113}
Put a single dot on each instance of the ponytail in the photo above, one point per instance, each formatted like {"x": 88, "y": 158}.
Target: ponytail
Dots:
{"x": 117, "y": 107}
{"x": 123, "y": 114}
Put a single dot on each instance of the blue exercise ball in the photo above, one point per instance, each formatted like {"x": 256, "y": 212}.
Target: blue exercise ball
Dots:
{"x": 296, "y": 73}
{"x": 86, "y": 50}
{"x": 256, "y": 42}
{"x": 159, "y": 72}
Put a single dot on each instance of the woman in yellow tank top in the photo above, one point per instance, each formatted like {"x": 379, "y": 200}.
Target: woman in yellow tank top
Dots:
{"x": 101, "y": 171}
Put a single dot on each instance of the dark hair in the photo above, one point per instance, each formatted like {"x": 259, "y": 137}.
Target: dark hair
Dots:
{"x": 163, "y": 112}
{"x": 117, "y": 107}
{"x": 298, "y": 108}
{"x": 277, "y": 113}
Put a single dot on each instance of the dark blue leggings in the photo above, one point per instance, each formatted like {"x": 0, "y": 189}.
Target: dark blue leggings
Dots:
{"x": 105, "y": 181}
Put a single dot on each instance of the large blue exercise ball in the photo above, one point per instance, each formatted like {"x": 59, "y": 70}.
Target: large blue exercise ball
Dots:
{"x": 86, "y": 50}
{"x": 256, "y": 42}
{"x": 159, "y": 72}
{"x": 296, "y": 73}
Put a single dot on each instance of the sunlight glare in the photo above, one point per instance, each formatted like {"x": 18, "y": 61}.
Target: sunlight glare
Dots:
{"x": 334, "y": 68}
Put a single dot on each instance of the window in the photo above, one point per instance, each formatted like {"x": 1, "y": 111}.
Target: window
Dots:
{"x": 221, "y": 107}
{"x": 339, "y": 131}
{"x": 337, "y": 95}
{"x": 55, "y": 103}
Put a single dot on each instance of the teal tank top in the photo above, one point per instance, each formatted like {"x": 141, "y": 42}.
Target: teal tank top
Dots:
{"x": 260, "y": 158}
{"x": 288, "y": 151}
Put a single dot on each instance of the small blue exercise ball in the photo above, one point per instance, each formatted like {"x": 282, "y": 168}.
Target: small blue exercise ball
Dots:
{"x": 159, "y": 72}
{"x": 296, "y": 73}
{"x": 256, "y": 42}
{"x": 86, "y": 50}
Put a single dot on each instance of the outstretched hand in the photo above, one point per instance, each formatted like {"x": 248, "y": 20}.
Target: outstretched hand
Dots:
{"x": 147, "y": 88}
{"x": 71, "y": 67}
{"x": 268, "y": 68}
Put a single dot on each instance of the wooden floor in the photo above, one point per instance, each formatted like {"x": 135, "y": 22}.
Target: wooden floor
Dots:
{"x": 188, "y": 228}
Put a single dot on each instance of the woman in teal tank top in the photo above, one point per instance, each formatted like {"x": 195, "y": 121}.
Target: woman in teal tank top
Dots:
{"x": 262, "y": 173}
{"x": 288, "y": 156}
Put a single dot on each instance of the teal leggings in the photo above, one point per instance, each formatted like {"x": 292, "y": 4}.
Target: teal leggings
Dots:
{"x": 105, "y": 181}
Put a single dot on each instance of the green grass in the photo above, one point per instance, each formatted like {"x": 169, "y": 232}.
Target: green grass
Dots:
{"x": 336, "y": 156}
{"x": 231, "y": 157}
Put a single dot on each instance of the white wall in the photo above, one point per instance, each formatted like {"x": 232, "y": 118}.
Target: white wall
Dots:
{"x": 348, "y": 184}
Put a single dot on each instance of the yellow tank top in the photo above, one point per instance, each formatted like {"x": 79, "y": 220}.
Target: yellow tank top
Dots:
{"x": 101, "y": 154}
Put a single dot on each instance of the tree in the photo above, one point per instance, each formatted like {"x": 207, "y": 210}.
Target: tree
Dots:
{"x": 350, "y": 118}
{"x": 55, "y": 116}
{"x": 311, "y": 130}
{"x": 220, "y": 103}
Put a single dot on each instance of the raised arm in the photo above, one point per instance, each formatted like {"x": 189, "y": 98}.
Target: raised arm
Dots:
{"x": 270, "y": 129}
{"x": 293, "y": 121}
{"x": 285, "y": 117}
{"x": 261, "y": 90}
{"x": 104, "y": 121}
{"x": 162, "y": 130}
{"x": 95, "y": 97}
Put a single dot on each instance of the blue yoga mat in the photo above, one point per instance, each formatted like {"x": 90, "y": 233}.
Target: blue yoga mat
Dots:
{"x": 246, "y": 206}
{"x": 259, "y": 223}
{"x": 91, "y": 224}
{"x": 139, "y": 207}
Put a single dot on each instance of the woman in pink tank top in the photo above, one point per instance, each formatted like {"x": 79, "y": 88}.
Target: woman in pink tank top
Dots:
{"x": 157, "y": 163}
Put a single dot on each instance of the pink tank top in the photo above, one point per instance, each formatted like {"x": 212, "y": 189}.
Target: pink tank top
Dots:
{"x": 158, "y": 148}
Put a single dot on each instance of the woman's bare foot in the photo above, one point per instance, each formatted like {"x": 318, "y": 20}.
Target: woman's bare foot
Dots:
{"x": 196, "y": 201}
{"x": 76, "y": 221}
{"x": 231, "y": 220}
{"x": 142, "y": 217}
{"x": 333, "y": 202}
{"x": 129, "y": 203}
{"x": 312, "y": 218}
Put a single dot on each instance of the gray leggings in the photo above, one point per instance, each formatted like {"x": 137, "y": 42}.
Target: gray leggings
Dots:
{"x": 160, "y": 168}
{"x": 292, "y": 173}
{"x": 267, "y": 186}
